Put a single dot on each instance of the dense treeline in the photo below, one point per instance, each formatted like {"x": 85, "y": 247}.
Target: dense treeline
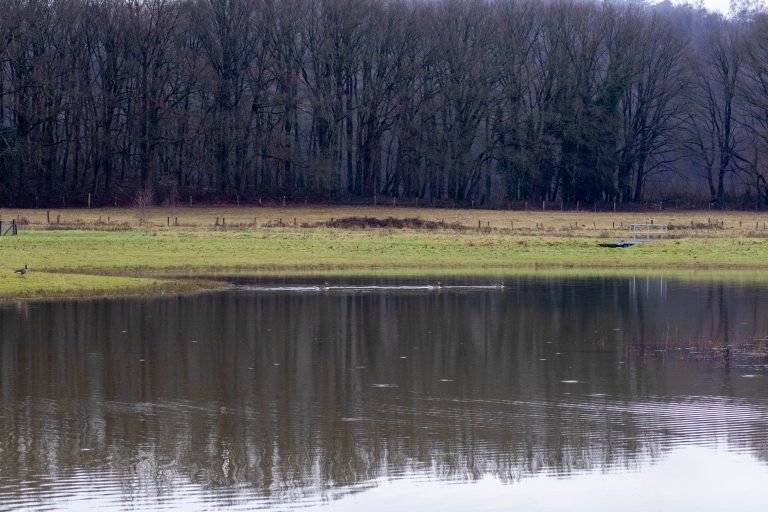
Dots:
{"x": 447, "y": 101}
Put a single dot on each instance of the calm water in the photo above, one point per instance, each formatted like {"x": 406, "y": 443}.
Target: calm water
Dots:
{"x": 546, "y": 394}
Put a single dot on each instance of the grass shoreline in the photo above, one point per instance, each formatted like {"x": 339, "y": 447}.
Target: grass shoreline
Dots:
{"x": 94, "y": 260}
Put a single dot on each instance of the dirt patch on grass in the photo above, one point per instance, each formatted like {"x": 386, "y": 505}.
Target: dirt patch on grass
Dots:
{"x": 387, "y": 223}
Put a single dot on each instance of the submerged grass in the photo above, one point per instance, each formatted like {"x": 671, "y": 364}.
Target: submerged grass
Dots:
{"x": 139, "y": 260}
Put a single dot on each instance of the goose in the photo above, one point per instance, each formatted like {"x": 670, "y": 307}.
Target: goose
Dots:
{"x": 22, "y": 271}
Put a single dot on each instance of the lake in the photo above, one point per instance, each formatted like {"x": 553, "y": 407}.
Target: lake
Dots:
{"x": 544, "y": 393}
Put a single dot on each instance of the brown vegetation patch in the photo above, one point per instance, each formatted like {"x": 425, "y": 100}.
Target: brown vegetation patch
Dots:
{"x": 387, "y": 223}
{"x": 750, "y": 352}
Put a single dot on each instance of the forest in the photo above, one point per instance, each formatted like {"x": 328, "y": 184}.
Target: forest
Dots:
{"x": 441, "y": 102}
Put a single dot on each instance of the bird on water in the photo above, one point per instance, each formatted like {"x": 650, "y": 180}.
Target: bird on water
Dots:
{"x": 22, "y": 271}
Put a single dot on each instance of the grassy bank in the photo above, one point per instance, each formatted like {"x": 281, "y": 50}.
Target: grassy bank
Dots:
{"x": 48, "y": 284}
{"x": 98, "y": 256}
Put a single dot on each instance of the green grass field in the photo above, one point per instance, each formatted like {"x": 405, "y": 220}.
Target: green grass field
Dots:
{"x": 138, "y": 251}
{"x": 86, "y": 260}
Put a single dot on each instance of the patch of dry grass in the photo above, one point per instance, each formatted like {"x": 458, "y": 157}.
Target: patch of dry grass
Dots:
{"x": 683, "y": 223}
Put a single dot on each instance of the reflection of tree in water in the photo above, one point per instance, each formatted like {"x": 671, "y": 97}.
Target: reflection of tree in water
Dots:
{"x": 287, "y": 394}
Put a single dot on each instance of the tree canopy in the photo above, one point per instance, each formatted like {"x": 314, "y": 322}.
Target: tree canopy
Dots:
{"x": 445, "y": 101}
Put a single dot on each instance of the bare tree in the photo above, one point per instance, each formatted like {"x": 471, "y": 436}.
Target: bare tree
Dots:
{"x": 711, "y": 125}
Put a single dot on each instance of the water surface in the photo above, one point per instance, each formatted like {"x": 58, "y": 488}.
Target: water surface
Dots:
{"x": 541, "y": 394}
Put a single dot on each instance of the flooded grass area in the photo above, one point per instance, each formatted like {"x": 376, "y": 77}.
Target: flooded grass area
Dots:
{"x": 161, "y": 243}
{"x": 154, "y": 253}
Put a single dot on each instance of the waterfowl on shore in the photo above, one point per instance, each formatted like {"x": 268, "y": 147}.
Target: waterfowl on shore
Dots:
{"x": 22, "y": 271}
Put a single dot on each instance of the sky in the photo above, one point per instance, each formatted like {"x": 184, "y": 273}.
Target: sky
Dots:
{"x": 717, "y": 5}
{"x": 712, "y": 5}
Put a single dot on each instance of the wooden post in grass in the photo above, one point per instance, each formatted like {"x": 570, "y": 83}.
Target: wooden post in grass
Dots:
{"x": 89, "y": 200}
{"x": 169, "y": 222}
{"x": 48, "y": 216}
